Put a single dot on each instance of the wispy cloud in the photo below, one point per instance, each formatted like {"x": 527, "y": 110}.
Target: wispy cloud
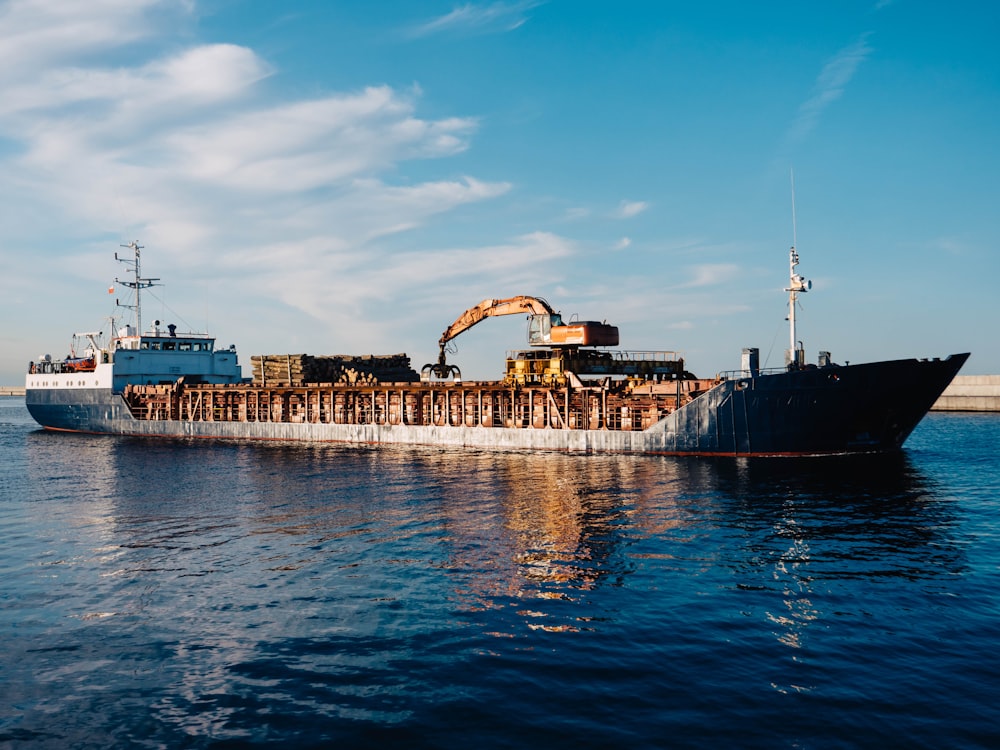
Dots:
{"x": 622, "y": 244}
{"x": 481, "y": 18}
{"x": 114, "y": 132}
{"x": 43, "y": 33}
{"x": 710, "y": 274}
{"x": 829, "y": 87}
{"x": 628, "y": 209}
{"x": 313, "y": 143}
{"x": 334, "y": 287}
{"x": 950, "y": 245}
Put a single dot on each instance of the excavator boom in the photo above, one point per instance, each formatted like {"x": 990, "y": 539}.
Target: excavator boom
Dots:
{"x": 493, "y": 307}
{"x": 545, "y": 328}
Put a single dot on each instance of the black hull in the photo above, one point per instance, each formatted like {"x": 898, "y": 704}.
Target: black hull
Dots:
{"x": 832, "y": 410}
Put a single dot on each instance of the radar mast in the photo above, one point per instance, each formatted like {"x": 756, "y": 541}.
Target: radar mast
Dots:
{"x": 795, "y": 356}
{"x": 134, "y": 267}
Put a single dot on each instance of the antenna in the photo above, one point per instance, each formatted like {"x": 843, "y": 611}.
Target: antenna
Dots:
{"x": 795, "y": 356}
{"x": 791, "y": 174}
{"x": 138, "y": 282}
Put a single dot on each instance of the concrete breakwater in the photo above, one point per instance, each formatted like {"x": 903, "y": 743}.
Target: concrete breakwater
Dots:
{"x": 970, "y": 393}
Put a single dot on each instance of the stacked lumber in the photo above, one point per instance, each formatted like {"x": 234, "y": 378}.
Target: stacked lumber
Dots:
{"x": 365, "y": 369}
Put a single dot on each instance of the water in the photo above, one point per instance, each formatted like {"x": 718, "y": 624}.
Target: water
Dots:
{"x": 200, "y": 594}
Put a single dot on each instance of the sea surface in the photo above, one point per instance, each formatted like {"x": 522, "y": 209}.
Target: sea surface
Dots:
{"x": 173, "y": 593}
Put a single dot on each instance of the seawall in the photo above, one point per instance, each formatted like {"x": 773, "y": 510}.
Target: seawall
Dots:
{"x": 970, "y": 393}
{"x": 11, "y": 390}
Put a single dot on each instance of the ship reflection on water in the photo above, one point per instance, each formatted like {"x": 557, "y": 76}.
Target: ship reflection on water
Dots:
{"x": 814, "y": 529}
{"x": 183, "y": 593}
{"x": 524, "y": 533}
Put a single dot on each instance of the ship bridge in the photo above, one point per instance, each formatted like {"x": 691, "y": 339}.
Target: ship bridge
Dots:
{"x": 162, "y": 357}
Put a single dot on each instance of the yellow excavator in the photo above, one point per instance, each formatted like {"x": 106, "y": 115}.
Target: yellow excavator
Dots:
{"x": 545, "y": 328}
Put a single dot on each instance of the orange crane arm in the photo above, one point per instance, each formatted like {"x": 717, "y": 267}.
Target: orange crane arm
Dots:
{"x": 546, "y": 329}
{"x": 492, "y": 307}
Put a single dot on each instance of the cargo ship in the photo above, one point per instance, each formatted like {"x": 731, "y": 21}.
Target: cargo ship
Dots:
{"x": 573, "y": 389}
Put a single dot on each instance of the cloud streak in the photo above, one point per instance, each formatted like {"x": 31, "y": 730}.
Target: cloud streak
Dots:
{"x": 710, "y": 274}
{"x": 473, "y": 18}
{"x": 830, "y": 86}
{"x": 36, "y": 33}
{"x": 628, "y": 209}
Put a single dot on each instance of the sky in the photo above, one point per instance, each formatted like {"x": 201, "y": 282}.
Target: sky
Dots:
{"x": 333, "y": 177}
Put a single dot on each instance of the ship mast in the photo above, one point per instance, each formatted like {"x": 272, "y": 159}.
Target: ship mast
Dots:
{"x": 138, "y": 283}
{"x": 795, "y": 356}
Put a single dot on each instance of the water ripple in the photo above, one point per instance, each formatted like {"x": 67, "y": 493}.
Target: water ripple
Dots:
{"x": 183, "y": 594}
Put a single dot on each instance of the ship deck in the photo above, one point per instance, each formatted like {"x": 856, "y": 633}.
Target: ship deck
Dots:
{"x": 459, "y": 404}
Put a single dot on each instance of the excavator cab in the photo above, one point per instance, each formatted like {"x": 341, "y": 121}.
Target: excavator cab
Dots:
{"x": 549, "y": 330}
{"x": 540, "y": 328}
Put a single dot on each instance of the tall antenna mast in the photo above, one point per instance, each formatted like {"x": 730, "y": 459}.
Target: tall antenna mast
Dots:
{"x": 138, "y": 283}
{"x": 791, "y": 176}
{"x": 795, "y": 356}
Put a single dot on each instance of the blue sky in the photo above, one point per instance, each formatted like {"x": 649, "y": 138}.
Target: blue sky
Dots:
{"x": 348, "y": 177}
